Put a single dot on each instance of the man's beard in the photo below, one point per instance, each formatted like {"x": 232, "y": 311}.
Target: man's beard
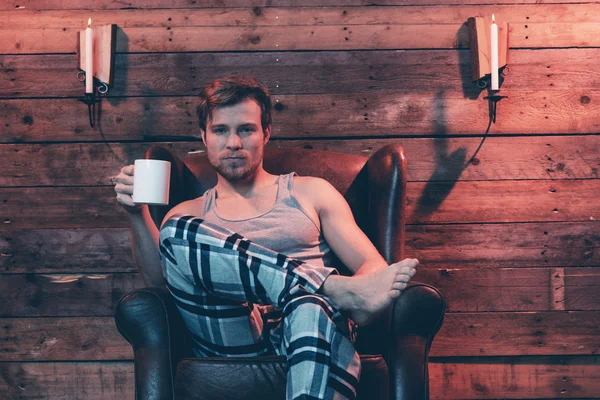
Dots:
{"x": 234, "y": 173}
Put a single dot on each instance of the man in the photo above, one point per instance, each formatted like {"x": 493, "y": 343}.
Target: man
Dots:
{"x": 300, "y": 308}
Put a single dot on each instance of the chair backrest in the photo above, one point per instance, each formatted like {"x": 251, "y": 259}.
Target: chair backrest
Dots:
{"x": 346, "y": 172}
{"x": 376, "y": 194}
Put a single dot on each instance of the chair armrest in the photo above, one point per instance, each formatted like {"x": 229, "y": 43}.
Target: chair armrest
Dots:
{"x": 387, "y": 175}
{"x": 387, "y": 169}
{"x": 149, "y": 320}
{"x": 416, "y": 317}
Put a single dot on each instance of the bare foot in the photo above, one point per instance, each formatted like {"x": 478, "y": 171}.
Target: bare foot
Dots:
{"x": 364, "y": 297}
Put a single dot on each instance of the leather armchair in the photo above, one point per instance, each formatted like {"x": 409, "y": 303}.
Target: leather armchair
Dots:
{"x": 394, "y": 350}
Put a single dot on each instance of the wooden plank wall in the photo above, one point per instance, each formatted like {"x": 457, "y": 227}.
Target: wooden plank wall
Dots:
{"x": 512, "y": 238}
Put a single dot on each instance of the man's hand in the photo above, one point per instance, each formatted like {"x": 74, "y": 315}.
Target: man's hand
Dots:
{"x": 124, "y": 189}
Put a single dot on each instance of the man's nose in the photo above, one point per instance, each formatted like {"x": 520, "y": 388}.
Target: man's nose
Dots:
{"x": 234, "y": 142}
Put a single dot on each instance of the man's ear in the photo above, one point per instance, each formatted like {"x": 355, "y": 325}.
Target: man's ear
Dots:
{"x": 267, "y": 134}
{"x": 203, "y": 136}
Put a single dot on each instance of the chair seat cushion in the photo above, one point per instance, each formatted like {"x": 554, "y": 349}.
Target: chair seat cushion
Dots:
{"x": 264, "y": 378}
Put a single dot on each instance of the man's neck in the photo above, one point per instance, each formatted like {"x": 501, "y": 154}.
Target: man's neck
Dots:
{"x": 247, "y": 187}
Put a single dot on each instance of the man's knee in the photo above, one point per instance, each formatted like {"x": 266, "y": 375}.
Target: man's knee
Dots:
{"x": 307, "y": 306}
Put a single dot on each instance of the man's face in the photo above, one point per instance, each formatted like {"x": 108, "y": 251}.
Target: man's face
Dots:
{"x": 235, "y": 140}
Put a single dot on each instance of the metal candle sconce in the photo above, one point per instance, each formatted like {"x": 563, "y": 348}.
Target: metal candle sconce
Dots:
{"x": 103, "y": 51}
{"x": 481, "y": 57}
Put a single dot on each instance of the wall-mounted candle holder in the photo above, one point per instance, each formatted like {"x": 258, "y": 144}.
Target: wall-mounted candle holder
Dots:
{"x": 103, "y": 44}
{"x": 489, "y": 50}
{"x": 481, "y": 47}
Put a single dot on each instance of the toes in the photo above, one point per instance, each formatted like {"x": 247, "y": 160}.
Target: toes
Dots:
{"x": 407, "y": 270}
{"x": 406, "y": 273}
{"x": 410, "y": 262}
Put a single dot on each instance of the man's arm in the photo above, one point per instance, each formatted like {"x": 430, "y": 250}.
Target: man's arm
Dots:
{"x": 374, "y": 285}
{"x": 341, "y": 232}
{"x": 144, "y": 241}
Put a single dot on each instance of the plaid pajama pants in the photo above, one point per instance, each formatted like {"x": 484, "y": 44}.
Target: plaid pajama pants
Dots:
{"x": 238, "y": 298}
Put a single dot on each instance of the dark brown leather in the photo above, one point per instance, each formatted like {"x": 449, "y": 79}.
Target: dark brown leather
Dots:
{"x": 375, "y": 188}
{"x": 261, "y": 378}
{"x": 387, "y": 201}
{"x": 147, "y": 318}
{"x": 424, "y": 307}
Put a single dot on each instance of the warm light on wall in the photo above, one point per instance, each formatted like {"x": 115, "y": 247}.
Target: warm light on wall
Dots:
{"x": 488, "y": 42}
{"x": 96, "y": 51}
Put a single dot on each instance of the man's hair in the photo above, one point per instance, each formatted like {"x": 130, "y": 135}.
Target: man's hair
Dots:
{"x": 230, "y": 90}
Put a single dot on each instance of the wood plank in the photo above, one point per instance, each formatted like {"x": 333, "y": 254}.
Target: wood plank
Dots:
{"x": 63, "y": 339}
{"x": 465, "y": 290}
{"x": 512, "y": 334}
{"x": 580, "y": 281}
{"x": 29, "y": 32}
{"x": 22, "y": 5}
{"x": 504, "y": 201}
{"x": 287, "y": 16}
{"x": 32, "y": 207}
{"x": 561, "y": 157}
{"x": 362, "y": 114}
{"x": 526, "y": 377}
{"x": 463, "y": 334}
{"x": 302, "y": 37}
{"x": 556, "y": 34}
{"x": 32, "y": 295}
{"x": 254, "y": 38}
{"x": 146, "y": 118}
{"x": 515, "y": 378}
{"x": 415, "y": 71}
{"x": 427, "y": 203}
{"x": 490, "y": 289}
{"x": 557, "y": 291}
{"x": 66, "y": 251}
{"x": 505, "y": 245}
{"x": 68, "y": 380}
{"x": 553, "y": 244}
{"x": 512, "y": 289}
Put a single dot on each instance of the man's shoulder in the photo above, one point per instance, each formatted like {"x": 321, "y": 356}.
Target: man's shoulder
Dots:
{"x": 188, "y": 207}
{"x": 310, "y": 183}
{"x": 312, "y": 188}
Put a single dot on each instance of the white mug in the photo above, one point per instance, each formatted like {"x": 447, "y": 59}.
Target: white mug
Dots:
{"x": 151, "y": 181}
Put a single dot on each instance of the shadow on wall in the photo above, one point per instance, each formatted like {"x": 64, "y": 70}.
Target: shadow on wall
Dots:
{"x": 118, "y": 88}
{"x": 448, "y": 166}
{"x": 469, "y": 88}
{"x": 120, "y": 77}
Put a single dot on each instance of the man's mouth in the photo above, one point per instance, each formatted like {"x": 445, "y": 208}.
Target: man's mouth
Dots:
{"x": 233, "y": 158}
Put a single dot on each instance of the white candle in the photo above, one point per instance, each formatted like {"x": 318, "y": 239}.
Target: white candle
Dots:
{"x": 89, "y": 59}
{"x": 494, "y": 51}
